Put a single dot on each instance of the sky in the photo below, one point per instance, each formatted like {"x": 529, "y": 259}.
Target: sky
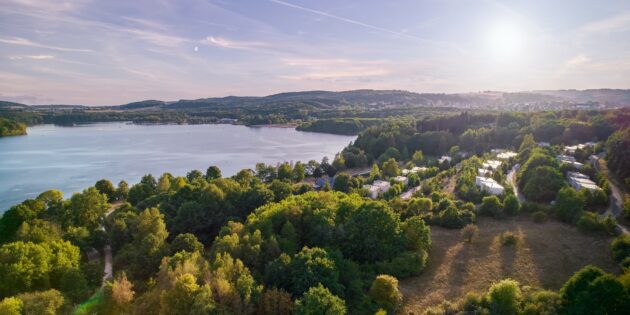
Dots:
{"x": 118, "y": 51}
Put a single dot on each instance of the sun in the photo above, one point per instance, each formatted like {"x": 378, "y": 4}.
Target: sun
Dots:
{"x": 505, "y": 42}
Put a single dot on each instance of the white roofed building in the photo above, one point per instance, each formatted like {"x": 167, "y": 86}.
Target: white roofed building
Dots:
{"x": 489, "y": 185}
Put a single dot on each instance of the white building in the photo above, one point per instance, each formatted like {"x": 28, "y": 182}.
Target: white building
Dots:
{"x": 544, "y": 144}
{"x": 483, "y": 172}
{"x": 489, "y": 185}
{"x": 570, "y": 149}
{"x": 497, "y": 151}
{"x": 593, "y": 159}
{"x": 377, "y": 187}
{"x": 580, "y": 181}
{"x": 567, "y": 159}
{"x": 506, "y": 155}
{"x": 491, "y": 164}
{"x": 401, "y": 179}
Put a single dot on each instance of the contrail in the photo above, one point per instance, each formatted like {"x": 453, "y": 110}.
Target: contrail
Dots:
{"x": 362, "y": 24}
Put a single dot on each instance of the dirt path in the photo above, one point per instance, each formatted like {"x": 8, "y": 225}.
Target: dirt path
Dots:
{"x": 108, "y": 272}
{"x": 511, "y": 177}
{"x": 546, "y": 256}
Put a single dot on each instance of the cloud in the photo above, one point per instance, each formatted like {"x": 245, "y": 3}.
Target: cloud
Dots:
{"x": 578, "y": 60}
{"x": 335, "y": 68}
{"x": 233, "y": 44}
{"x": 25, "y": 42}
{"x": 34, "y": 57}
{"x": 368, "y": 26}
{"x": 616, "y": 23}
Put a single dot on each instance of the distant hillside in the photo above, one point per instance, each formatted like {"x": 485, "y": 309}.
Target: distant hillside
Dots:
{"x": 11, "y": 105}
{"x": 371, "y": 100}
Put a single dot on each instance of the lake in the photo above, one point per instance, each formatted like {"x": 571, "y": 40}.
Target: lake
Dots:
{"x": 71, "y": 159}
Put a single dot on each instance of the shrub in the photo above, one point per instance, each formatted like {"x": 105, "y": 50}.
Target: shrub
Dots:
{"x": 491, "y": 206}
{"x": 569, "y": 204}
{"x": 591, "y": 291}
{"x": 539, "y": 216}
{"x": 384, "y": 291}
{"x": 511, "y": 205}
{"x": 469, "y": 232}
{"x": 405, "y": 265}
{"x": 508, "y": 238}
{"x": 620, "y": 247}
{"x": 504, "y": 297}
{"x": 588, "y": 223}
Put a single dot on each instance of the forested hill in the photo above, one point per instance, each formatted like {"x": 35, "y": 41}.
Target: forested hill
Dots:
{"x": 367, "y": 99}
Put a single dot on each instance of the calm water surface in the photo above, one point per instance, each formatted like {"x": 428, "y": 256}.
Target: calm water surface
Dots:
{"x": 73, "y": 158}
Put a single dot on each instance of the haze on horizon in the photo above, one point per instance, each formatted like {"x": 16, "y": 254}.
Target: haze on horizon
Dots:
{"x": 114, "y": 52}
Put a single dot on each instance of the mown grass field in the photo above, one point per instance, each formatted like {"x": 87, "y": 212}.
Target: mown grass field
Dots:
{"x": 546, "y": 255}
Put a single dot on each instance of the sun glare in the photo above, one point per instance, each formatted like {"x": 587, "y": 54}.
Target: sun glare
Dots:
{"x": 505, "y": 42}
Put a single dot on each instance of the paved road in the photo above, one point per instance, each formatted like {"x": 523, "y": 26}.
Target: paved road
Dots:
{"x": 407, "y": 194}
{"x": 615, "y": 207}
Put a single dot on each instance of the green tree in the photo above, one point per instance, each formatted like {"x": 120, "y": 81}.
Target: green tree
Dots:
{"x": 275, "y": 301}
{"x": 417, "y": 234}
{"x": 418, "y": 157}
{"x": 504, "y": 297}
{"x": 180, "y": 299}
{"x": 591, "y": 291}
{"x": 418, "y": 206}
{"x": 569, "y": 205}
{"x": 213, "y": 172}
{"x": 375, "y": 173}
{"x": 285, "y": 171}
{"x": 620, "y": 247}
{"x": 373, "y": 233}
{"x": 390, "y": 168}
{"x": 11, "y": 306}
{"x": 491, "y": 206}
{"x": 106, "y": 187}
{"x": 544, "y": 183}
{"x": 186, "y": 242}
{"x": 86, "y": 209}
{"x": 298, "y": 172}
{"x": 42, "y": 302}
{"x": 319, "y": 301}
{"x": 618, "y": 153}
{"x": 339, "y": 162}
{"x": 122, "y": 191}
{"x": 164, "y": 183}
{"x": 528, "y": 143}
{"x": 343, "y": 182}
{"x": 511, "y": 205}
{"x": 280, "y": 189}
{"x": 384, "y": 291}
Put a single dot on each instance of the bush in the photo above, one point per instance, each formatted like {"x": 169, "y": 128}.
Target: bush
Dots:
{"x": 405, "y": 265}
{"x": 620, "y": 247}
{"x": 591, "y": 291}
{"x": 569, "y": 204}
{"x": 539, "y": 216}
{"x": 508, "y": 238}
{"x": 384, "y": 291}
{"x": 588, "y": 223}
{"x": 469, "y": 232}
{"x": 491, "y": 206}
{"x": 511, "y": 205}
{"x": 504, "y": 297}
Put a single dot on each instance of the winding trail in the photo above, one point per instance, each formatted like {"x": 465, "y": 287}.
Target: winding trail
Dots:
{"x": 511, "y": 177}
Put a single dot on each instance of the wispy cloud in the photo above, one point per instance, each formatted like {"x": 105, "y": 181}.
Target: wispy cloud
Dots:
{"x": 373, "y": 27}
{"x": 233, "y": 44}
{"x": 616, "y": 23}
{"x": 34, "y": 57}
{"x": 25, "y": 42}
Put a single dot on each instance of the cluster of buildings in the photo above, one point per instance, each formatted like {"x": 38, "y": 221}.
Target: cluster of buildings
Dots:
{"x": 378, "y": 187}
{"x": 445, "y": 158}
{"x": 580, "y": 181}
{"x": 570, "y": 149}
{"x": 487, "y": 183}
{"x": 567, "y": 159}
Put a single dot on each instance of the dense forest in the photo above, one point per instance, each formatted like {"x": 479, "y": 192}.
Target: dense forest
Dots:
{"x": 269, "y": 241}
